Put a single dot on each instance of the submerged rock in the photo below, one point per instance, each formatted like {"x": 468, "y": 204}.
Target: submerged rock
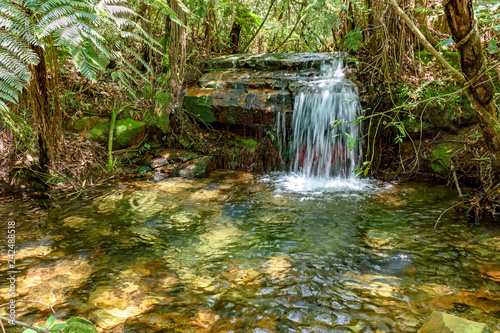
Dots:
{"x": 52, "y": 284}
{"x": 440, "y": 322}
{"x": 129, "y": 295}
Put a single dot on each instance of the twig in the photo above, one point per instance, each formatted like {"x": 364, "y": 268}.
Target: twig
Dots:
{"x": 440, "y": 216}
{"x": 27, "y": 301}
{"x": 20, "y": 323}
{"x": 455, "y": 178}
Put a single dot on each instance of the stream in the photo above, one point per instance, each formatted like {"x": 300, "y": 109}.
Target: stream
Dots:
{"x": 241, "y": 252}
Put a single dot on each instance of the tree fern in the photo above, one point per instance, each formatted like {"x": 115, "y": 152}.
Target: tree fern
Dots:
{"x": 91, "y": 32}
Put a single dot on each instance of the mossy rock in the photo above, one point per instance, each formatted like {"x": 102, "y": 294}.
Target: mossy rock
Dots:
{"x": 200, "y": 106}
{"x": 127, "y": 133}
{"x": 198, "y": 167}
{"x": 160, "y": 121}
{"x": 250, "y": 143}
{"x": 86, "y": 123}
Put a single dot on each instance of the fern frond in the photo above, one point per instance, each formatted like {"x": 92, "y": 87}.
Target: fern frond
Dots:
{"x": 7, "y": 97}
{"x": 9, "y": 90}
{"x": 18, "y": 47}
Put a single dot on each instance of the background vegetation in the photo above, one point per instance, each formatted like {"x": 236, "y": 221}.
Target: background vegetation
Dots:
{"x": 63, "y": 59}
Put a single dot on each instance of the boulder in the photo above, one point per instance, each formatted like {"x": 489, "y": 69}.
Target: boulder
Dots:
{"x": 179, "y": 162}
{"x": 198, "y": 167}
{"x": 85, "y": 124}
{"x": 440, "y": 322}
{"x": 127, "y": 133}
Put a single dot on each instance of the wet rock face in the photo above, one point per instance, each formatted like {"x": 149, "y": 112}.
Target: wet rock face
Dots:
{"x": 249, "y": 89}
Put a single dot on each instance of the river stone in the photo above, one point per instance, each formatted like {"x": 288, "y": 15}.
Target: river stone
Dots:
{"x": 52, "y": 284}
{"x": 198, "y": 167}
{"x": 169, "y": 156}
{"x": 78, "y": 222}
{"x": 267, "y": 61}
{"x": 277, "y": 267}
{"x": 129, "y": 296}
{"x": 440, "y": 322}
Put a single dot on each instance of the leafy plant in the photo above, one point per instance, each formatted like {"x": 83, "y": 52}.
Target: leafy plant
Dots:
{"x": 353, "y": 39}
{"x": 49, "y": 326}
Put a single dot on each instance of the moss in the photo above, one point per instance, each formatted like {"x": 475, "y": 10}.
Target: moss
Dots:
{"x": 200, "y": 106}
{"x": 250, "y": 143}
{"x": 159, "y": 121}
{"x": 191, "y": 156}
{"x": 86, "y": 123}
{"x": 127, "y": 132}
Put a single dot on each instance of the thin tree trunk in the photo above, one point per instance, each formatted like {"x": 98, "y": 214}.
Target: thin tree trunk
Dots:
{"x": 48, "y": 122}
{"x": 244, "y": 48}
{"x": 481, "y": 92}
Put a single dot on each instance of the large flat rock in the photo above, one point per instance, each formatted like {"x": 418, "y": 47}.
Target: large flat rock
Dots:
{"x": 250, "y": 89}
{"x": 267, "y": 61}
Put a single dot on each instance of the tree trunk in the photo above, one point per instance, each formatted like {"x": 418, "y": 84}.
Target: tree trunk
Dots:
{"x": 460, "y": 17}
{"x": 234, "y": 37}
{"x": 177, "y": 51}
{"x": 48, "y": 122}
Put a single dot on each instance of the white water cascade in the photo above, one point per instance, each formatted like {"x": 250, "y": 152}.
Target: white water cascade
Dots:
{"x": 317, "y": 149}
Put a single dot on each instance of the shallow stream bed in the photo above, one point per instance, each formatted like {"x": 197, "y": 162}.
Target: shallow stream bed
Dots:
{"x": 239, "y": 252}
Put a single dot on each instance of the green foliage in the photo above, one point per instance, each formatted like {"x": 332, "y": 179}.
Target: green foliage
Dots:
{"x": 492, "y": 46}
{"x": 245, "y": 17}
{"x": 488, "y": 14}
{"x": 90, "y": 33}
{"x": 19, "y": 127}
{"x": 79, "y": 325}
{"x": 440, "y": 158}
{"x": 144, "y": 149}
{"x": 353, "y": 39}
{"x": 51, "y": 327}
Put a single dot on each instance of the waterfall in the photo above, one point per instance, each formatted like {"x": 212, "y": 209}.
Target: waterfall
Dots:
{"x": 318, "y": 150}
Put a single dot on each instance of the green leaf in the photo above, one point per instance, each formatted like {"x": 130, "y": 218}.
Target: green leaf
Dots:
{"x": 447, "y": 42}
{"x": 401, "y": 129}
{"x": 59, "y": 326}
{"x": 366, "y": 172}
{"x": 352, "y": 141}
{"x": 50, "y": 321}
{"x": 29, "y": 330}
{"x": 493, "y": 47}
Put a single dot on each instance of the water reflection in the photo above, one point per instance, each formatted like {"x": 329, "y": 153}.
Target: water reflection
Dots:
{"x": 239, "y": 252}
